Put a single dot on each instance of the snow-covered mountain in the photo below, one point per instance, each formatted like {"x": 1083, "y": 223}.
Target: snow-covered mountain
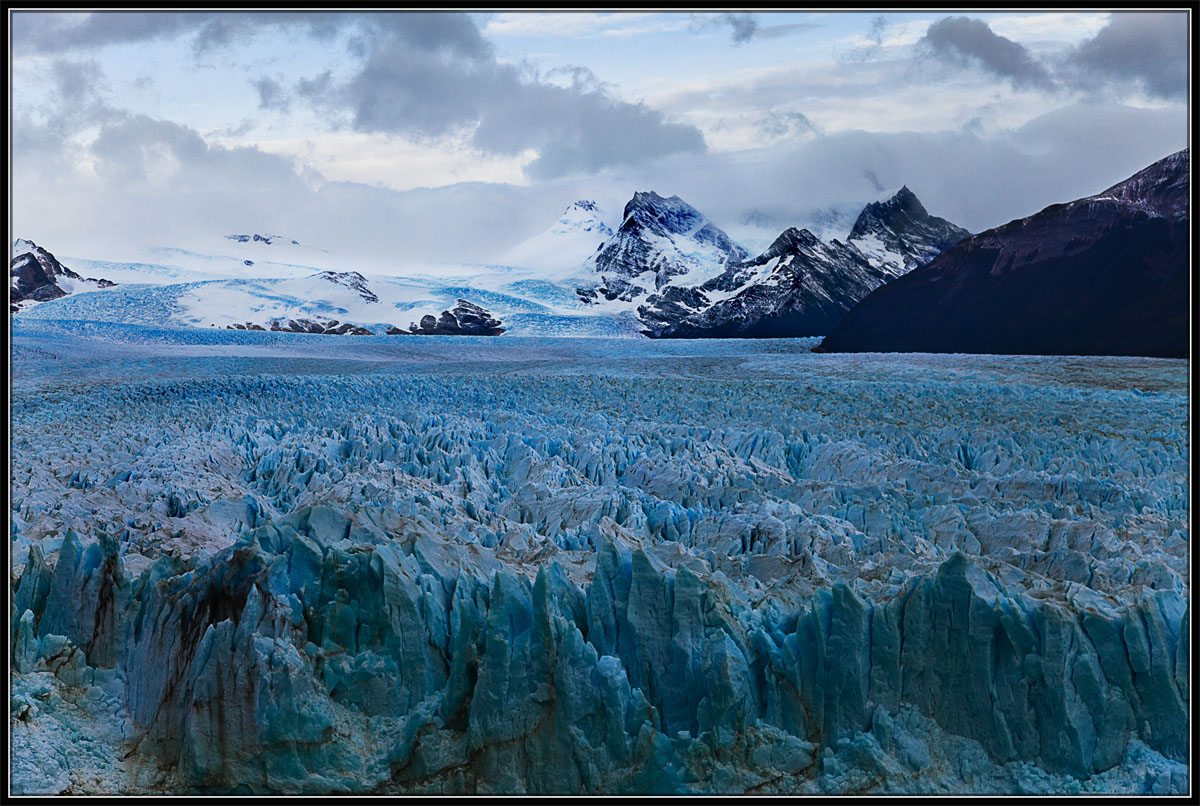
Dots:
{"x": 898, "y": 234}
{"x": 567, "y": 243}
{"x": 216, "y": 290}
{"x": 666, "y": 270}
{"x": 662, "y": 242}
{"x": 685, "y": 278}
{"x": 1104, "y": 275}
{"x": 800, "y": 286}
{"x": 37, "y": 276}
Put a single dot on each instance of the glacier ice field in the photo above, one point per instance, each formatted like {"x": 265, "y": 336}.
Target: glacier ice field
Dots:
{"x": 279, "y": 563}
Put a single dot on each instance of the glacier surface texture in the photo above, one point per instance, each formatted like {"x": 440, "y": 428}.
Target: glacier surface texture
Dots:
{"x": 282, "y": 563}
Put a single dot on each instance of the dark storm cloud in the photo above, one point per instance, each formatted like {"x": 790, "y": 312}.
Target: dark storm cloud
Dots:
{"x": 271, "y": 94}
{"x": 56, "y": 32}
{"x": 780, "y": 124}
{"x": 964, "y": 40}
{"x": 1150, "y": 49}
{"x": 421, "y": 75}
{"x": 743, "y": 26}
{"x": 433, "y": 91}
{"x": 746, "y": 27}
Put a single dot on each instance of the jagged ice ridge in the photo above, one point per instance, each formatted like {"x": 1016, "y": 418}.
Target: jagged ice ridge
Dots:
{"x": 556, "y": 566}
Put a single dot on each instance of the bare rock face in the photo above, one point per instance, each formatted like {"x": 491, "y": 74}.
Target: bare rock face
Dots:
{"x": 1104, "y": 275}
{"x": 352, "y": 280}
{"x": 37, "y": 276}
{"x": 330, "y": 327}
{"x": 800, "y": 286}
{"x": 464, "y": 319}
{"x": 900, "y": 232}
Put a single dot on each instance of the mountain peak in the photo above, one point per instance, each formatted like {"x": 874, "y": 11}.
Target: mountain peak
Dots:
{"x": 1103, "y": 275}
{"x": 668, "y": 213}
{"x": 665, "y": 236}
{"x": 586, "y": 205}
{"x": 1160, "y": 188}
{"x": 900, "y": 232}
{"x": 790, "y": 240}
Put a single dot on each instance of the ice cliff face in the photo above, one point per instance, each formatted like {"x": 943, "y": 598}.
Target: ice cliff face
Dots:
{"x": 37, "y": 276}
{"x": 1103, "y": 275}
{"x": 704, "y": 569}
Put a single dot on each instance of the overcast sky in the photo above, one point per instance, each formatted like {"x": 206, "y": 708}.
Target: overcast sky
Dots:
{"x": 454, "y": 136}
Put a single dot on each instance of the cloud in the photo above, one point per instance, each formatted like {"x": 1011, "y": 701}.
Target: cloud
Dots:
{"x": 783, "y": 124}
{"x": 582, "y": 25}
{"x": 271, "y": 94}
{"x": 420, "y": 75}
{"x": 54, "y": 32}
{"x": 975, "y": 181}
{"x": 1150, "y": 49}
{"x": 745, "y": 27}
{"x": 963, "y": 41}
{"x": 439, "y": 89}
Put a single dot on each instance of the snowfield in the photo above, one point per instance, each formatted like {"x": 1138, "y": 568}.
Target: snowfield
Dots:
{"x": 272, "y": 562}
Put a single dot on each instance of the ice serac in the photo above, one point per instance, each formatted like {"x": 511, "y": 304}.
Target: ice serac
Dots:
{"x": 800, "y": 286}
{"x": 1103, "y": 275}
{"x": 37, "y": 276}
{"x": 253, "y": 668}
{"x": 899, "y": 234}
{"x": 661, "y": 242}
{"x": 498, "y": 570}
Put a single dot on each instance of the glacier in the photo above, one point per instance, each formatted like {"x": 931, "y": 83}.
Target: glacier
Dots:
{"x": 277, "y": 563}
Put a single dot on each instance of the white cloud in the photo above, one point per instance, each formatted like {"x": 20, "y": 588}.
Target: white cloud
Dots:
{"x": 394, "y": 162}
{"x": 583, "y": 24}
{"x": 1060, "y": 26}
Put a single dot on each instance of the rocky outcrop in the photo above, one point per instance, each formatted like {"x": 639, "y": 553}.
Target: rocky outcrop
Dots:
{"x": 1105, "y": 275}
{"x": 37, "y": 276}
{"x": 256, "y": 238}
{"x": 464, "y": 319}
{"x": 352, "y": 280}
{"x": 324, "y": 327}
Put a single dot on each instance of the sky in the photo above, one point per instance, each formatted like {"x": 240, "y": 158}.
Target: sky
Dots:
{"x": 399, "y": 137}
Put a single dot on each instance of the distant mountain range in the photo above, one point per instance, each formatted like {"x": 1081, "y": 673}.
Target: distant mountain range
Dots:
{"x": 1103, "y": 275}
{"x": 687, "y": 279}
{"x": 1107, "y": 274}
